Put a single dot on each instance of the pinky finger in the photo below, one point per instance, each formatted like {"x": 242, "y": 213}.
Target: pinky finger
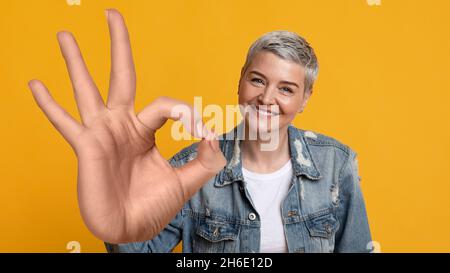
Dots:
{"x": 61, "y": 120}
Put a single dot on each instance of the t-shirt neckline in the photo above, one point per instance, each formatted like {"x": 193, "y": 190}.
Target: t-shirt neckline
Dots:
{"x": 268, "y": 176}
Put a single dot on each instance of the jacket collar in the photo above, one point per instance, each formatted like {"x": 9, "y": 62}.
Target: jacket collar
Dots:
{"x": 302, "y": 161}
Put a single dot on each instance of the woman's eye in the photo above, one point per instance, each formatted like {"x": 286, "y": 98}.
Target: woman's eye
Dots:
{"x": 258, "y": 81}
{"x": 287, "y": 90}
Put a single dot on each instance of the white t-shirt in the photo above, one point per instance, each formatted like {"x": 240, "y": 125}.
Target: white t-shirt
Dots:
{"x": 268, "y": 191}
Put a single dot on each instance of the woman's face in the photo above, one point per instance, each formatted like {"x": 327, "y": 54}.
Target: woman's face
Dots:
{"x": 273, "y": 84}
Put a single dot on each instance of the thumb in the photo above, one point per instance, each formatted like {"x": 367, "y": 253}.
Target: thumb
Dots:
{"x": 210, "y": 155}
{"x": 209, "y": 161}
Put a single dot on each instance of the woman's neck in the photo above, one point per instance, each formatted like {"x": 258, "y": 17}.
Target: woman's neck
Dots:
{"x": 259, "y": 160}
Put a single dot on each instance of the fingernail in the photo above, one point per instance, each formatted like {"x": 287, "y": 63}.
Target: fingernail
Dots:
{"x": 199, "y": 129}
{"x": 211, "y": 136}
{"x": 208, "y": 133}
{"x": 107, "y": 14}
{"x": 213, "y": 131}
{"x": 214, "y": 145}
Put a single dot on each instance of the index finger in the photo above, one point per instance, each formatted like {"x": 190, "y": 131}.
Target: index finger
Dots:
{"x": 155, "y": 115}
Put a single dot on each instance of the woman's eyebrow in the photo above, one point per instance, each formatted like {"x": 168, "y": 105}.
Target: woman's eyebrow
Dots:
{"x": 262, "y": 75}
{"x": 258, "y": 73}
{"x": 291, "y": 83}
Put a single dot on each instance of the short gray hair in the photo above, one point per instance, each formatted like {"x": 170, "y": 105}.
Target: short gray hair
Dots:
{"x": 289, "y": 46}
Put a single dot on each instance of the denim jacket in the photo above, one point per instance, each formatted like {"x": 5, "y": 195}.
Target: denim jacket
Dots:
{"x": 323, "y": 211}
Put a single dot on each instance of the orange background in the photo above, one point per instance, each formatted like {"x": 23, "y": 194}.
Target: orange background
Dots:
{"x": 383, "y": 89}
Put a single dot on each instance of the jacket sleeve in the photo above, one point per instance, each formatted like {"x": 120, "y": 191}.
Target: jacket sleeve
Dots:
{"x": 164, "y": 242}
{"x": 353, "y": 234}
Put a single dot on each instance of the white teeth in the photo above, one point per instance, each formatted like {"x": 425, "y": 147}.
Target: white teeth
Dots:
{"x": 266, "y": 113}
{"x": 262, "y": 112}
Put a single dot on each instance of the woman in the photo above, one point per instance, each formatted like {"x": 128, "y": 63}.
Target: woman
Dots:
{"x": 228, "y": 195}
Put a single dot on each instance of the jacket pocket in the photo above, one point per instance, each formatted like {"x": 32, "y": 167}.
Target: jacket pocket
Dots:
{"x": 215, "y": 236}
{"x": 322, "y": 230}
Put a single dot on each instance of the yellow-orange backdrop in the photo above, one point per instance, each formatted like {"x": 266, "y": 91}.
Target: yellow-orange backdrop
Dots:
{"x": 383, "y": 88}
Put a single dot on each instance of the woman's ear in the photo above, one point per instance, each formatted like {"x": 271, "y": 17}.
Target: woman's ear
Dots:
{"x": 239, "y": 85}
{"x": 240, "y": 79}
{"x": 305, "y": 100}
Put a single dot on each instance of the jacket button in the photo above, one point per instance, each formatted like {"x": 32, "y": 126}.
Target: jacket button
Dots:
{"x": 252, "y": 216}
{"x": 292, "y": 213}
{"x": 328, "y": 228}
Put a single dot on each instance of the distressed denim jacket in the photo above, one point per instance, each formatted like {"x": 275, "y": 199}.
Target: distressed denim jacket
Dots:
{"x": 323, "y": 211}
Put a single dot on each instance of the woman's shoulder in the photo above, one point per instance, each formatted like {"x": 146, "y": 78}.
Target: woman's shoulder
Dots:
{"x": 328, "y": 153}
{"x": 318, "y": 139}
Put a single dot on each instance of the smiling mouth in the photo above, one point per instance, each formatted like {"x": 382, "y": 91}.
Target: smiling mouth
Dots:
{"x": 264, "y": 111}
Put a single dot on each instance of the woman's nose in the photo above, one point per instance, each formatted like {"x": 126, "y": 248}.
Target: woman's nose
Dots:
{"x": 267, "y": 97}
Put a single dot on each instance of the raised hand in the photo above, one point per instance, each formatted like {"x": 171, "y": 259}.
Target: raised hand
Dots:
{"x": 126, "y": 190}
